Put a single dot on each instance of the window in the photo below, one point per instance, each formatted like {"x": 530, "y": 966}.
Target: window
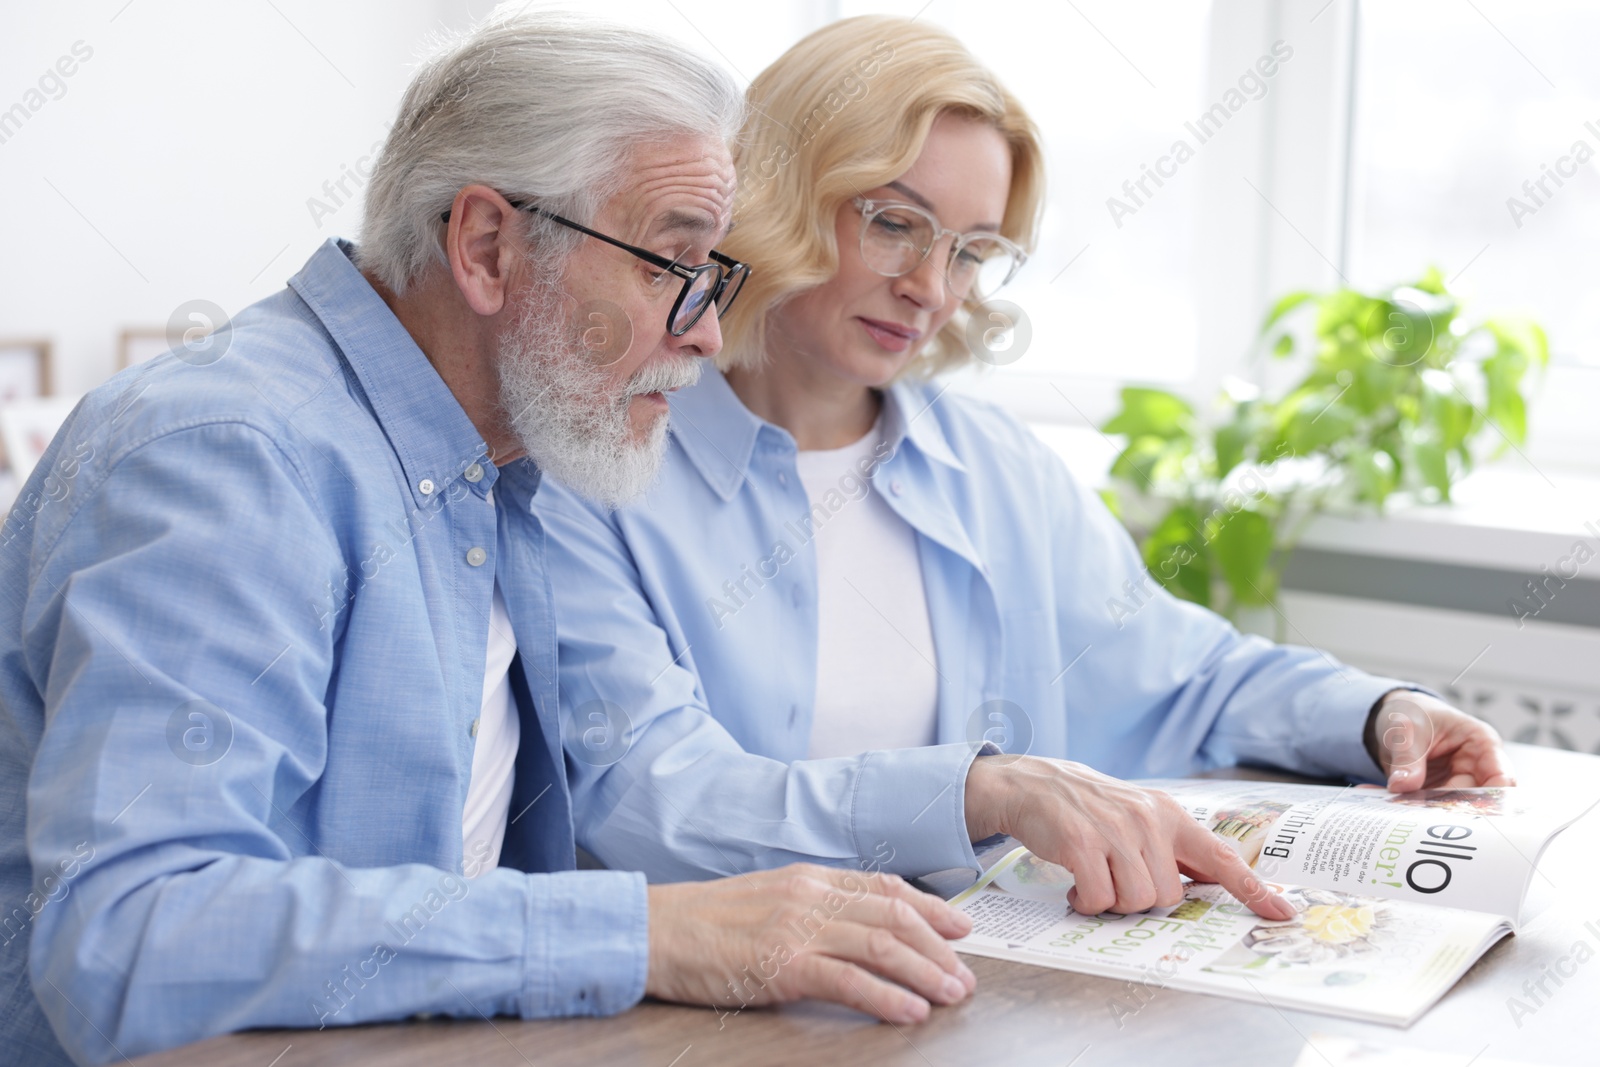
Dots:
{"x": 1108, "y": 297}
{"x": 1110, "y": 86}
{"x": 1479, "y": 152}
{"x": 1466, "y": 153}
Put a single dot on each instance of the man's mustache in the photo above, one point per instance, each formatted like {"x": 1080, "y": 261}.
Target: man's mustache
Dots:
{"x": 663, "y": 376}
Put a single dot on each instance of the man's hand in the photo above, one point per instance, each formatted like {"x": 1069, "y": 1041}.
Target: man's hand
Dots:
{"x": 807, "y": 931}
{"x": 1420, "y": 742}
{"x": 1124, "y": 845}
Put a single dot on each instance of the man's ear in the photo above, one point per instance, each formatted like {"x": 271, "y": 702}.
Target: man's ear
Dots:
{"x": 482, "y": 244}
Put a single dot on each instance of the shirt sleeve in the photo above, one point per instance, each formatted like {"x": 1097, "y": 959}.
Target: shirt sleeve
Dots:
{"x": 684, "y": 800}
{"x": 170, "y": 628}
{"x": 1202, "y": 693}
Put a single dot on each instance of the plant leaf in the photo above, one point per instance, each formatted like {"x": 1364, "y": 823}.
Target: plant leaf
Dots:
{"x": 1233, "y": 438}
{"x": 1151, "y": 412}
{"x": 1137, "y": 462}
{"x": 1177, "y": 555}
{"x": 1315, "y": 426}
{"x": 1433, "y": 466}
{"x": 1502, "y": 375}
{"x": 1243, "y": 545}
{"x": 1432, "y": 281}
{"x": 1523, "y": 335}
{"x": 1373, "y": 483}
{"x": 1286, "y": 303}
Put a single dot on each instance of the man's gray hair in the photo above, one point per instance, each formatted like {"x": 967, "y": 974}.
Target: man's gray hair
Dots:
{"x": 544, "y": 106}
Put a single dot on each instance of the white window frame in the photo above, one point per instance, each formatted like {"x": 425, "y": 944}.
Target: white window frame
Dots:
{"x": 1277, "y": 205}
{"x": 1563, "y": 433}
{"x": 1238, "y": 247}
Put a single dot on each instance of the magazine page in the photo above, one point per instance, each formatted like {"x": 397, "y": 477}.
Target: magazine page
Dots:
{"x": 1362, "y": 957}
{"x": 1461, "y": 848}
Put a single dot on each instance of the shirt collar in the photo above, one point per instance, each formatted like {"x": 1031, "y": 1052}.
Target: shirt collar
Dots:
{"x": 909, "y": 416}
{"x": 718, "y": 433}
{"x": 424, "y": 422}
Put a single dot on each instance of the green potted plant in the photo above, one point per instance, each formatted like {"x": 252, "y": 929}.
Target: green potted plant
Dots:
{"x": 1400, "y": 395}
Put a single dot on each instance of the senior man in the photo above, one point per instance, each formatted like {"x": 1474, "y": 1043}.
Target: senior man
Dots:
{"x": 277, "y": 659}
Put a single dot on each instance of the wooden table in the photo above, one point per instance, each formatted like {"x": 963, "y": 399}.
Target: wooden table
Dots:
{"x": 1028, "y": 1015}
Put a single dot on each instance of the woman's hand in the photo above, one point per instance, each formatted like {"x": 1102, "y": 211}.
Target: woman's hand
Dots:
{"x": 1125, "y": 845}
{"x": 1420, "y": 742}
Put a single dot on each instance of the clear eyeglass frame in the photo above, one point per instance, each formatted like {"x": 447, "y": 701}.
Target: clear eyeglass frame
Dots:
{"x": 897, "y": 238}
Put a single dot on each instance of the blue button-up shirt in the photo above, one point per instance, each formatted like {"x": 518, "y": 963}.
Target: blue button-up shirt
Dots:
{"x": 242, "y": 653}
{"x": 1050, "y": 637}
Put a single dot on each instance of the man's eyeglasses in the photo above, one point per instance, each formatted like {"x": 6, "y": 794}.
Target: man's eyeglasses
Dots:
{"x": 896, "y": 238}
{"x": 713, "y": 284}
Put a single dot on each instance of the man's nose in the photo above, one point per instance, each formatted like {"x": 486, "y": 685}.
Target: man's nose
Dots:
{"x": 704, "y": 338}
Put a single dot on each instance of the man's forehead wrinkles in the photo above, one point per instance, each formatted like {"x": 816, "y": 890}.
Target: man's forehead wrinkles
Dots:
{"x": 694, "y": 190}
{"x": 677, "y": 190}
{"x": 679, "y": 203}
{"x": 719, "y": 173}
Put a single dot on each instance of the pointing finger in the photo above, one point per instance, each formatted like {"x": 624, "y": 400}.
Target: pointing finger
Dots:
{"x": 1212, "y": 860}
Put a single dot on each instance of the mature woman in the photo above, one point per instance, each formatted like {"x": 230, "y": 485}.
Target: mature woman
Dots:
{"x": 859, "y": 574}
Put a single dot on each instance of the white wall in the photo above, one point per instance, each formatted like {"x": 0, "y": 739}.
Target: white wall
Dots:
{"x": 178, "y": 160}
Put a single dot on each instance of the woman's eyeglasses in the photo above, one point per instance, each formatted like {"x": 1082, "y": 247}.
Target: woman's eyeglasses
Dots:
{"x": 896, "y": 238}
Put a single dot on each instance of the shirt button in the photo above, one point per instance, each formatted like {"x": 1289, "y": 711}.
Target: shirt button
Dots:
{"x": 783, "y": 478}
{"x": 472, "y": 731}
{"x": 796, "y": 596}
{"x": 475, "y": 473}
{"x": 794, "y": 713}
{"x": 425, "y": 487}
{"x": 896, "y": 487}
{"x": 476, "y": 556}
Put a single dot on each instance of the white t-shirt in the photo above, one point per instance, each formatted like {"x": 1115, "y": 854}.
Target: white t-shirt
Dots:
{"x": 877, "y": 686}
{"x": 494, "y": 759}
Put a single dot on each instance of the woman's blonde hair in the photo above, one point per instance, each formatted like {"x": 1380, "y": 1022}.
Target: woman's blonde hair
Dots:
{"x": 847, "y": 109}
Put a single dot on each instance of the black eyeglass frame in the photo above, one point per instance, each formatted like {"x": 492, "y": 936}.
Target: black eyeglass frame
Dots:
{"x": 731, "y": 274}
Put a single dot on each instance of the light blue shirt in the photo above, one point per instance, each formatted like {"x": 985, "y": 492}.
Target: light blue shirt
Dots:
{"x": 242, "y": 655}
{"x": 1050, "y": 638}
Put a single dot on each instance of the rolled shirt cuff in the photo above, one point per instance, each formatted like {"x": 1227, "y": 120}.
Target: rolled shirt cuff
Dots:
{"x": 908, "y": 815}
{"x": 1329, "y": 739}
{"x": 588, "y": 943}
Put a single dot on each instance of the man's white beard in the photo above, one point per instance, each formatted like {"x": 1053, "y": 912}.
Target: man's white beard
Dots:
{"x": 560, "y": 407}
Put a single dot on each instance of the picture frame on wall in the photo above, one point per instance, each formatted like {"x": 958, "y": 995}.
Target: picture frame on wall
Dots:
{"x": 137, "y": 344}
{"x": 26, "y": 429}
{"x": 24, "y": 369}
{"x": 25, "y": 383}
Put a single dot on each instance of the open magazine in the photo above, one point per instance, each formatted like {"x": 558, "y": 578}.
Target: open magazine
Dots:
{"x": 1397, "y": 895}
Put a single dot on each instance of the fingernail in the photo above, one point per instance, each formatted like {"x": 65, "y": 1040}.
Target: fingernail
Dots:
{"x": 916, "y": 1010}
{"x": 954, "y": 990}
{"x": 966, "y": 975}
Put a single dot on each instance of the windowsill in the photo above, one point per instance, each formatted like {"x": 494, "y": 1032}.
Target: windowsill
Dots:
{"x": 1505, "y": 516}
